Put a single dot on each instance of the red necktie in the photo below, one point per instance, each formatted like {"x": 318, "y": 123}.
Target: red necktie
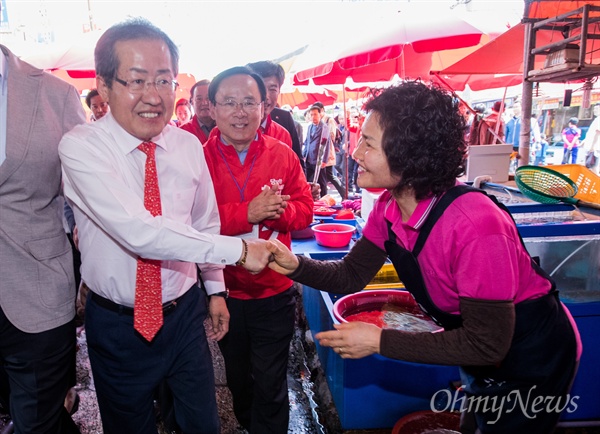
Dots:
{"x": 147, "y": 308}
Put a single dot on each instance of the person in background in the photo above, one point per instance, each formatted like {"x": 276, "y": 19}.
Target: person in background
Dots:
{"x": 183, "y": 111}
{"x": 512, "y": 131}
{"x": 354, "y": 124}
{"x": 37, "y": 294}
{"x": 273, "y": 75}
{"x": 316, "y": 142}
{"x": 297, "y": 125}
{"x": 330, "y": 161}
{"x": 538, "y": 151}
{"x": 503, "y": 324}
{"x": 591, "y": 143}
{"x": 491, "y": 127}
{"x": 478, "y": 112}
{"x": 570, "y": 136}
{"x": 341, "y": 148}
{"x": 145, "y": 207}
{"x": 256, "y": 198}
{"x": 96, "y": 104}
{"x": 201, "y": 124}
{"x": 536, "y": 142}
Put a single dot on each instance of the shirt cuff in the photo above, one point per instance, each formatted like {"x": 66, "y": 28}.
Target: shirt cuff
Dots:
{"x": 214, "y": 281}
{"x": 227, "y": 250}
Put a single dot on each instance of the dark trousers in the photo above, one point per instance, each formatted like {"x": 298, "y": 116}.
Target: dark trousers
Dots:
{"x": 256, "y": 353}
{"x": 127, "y": 369}
{"x": 352, "y": 174}
{"x": 570, "y": 153}
{"x": 37, "y": 371}
{"x": 340, "y": 167}
{"x": 334, "y": 181}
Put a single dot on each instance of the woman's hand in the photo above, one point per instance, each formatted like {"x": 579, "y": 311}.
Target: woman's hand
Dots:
{"x": 283, "y": 260}
{"x": 352, "y": 340}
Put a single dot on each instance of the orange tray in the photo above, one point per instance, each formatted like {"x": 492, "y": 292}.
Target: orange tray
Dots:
{"x": 588, "y": 183}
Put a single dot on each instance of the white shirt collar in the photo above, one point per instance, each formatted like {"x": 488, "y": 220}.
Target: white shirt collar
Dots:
{"x": 126, "y": 141}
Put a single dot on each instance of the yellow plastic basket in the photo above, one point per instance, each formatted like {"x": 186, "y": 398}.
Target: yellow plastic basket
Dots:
{"x": 386, "y": 277}
{"x": 588, "y": 183}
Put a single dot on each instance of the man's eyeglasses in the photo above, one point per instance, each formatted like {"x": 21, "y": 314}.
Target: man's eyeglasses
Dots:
{"x": 139, "y": 85}
{"x": 247, "y": 106}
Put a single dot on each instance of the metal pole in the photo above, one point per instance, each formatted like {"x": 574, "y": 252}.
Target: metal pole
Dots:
{"x": 527, "y": 96}
{"x": 347, "y": 139}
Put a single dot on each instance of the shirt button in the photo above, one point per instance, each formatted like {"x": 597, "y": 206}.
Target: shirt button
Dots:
{"x": 223, "y": 261}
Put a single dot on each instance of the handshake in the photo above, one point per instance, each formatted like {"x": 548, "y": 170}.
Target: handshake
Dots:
{"x": 258, "y": 254}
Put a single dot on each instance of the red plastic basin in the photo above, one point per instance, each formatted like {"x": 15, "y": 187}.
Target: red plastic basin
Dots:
{"x": 367, "y": 300}
{"x": 333, "y": 234}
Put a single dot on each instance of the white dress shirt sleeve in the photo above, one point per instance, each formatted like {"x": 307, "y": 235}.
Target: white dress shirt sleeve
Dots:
{"x": 104, "y": 179}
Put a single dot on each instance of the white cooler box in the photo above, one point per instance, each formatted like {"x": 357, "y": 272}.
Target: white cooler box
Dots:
{"x": 492, "y": 160}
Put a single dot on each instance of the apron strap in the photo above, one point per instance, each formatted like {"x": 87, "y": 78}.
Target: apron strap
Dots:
{"x": 411, "y": 270}
{"x": 437, "y": 212}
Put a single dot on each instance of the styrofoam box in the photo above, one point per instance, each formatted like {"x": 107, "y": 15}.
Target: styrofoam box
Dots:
{"x": 492, "y": 160}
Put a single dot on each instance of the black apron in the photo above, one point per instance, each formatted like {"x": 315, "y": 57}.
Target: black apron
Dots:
{"x": 535, "y": 366}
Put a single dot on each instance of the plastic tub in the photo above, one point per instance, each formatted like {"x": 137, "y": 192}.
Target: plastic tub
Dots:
{"x": 422, "y": 422}
{"x": 305, "y": 233}
{"x": 386, "y": 308}
{"x": 333, "y": 234}
{"x": 370, "y": 300}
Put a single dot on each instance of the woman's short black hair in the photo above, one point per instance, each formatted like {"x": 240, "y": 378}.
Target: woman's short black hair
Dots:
{"x": 423, "y": 136}
{"x": 107, "y": 62}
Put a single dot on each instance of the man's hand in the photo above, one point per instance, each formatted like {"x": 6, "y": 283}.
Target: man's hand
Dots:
{"x": 269, "y": 204}
{"x": 258, "y": 256}
{"x": 284, "y": 261}
{"x": 315, "y": 191}
{"x": 219, "y": 318}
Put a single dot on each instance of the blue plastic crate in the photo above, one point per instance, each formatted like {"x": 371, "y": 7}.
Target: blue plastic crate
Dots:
{"x": 375, "y": 392}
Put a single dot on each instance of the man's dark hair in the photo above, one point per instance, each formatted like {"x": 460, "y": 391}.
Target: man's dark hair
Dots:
{"x": 88, "y": 98}
{"x": 236, "y": 70}
{"x": 422, "y": 136}
{"x": 107, "y": 62}
{"x": 266, "y": 68}
{"x": 497, "y": 106}
{"x": 204, "y": 82}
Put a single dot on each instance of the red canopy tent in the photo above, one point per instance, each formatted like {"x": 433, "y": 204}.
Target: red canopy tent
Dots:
{"x": 401, "y": 44}
{"x": 499, "y": 63}
{"x": 302, "y": 97}
{"x": 75, "y": 64}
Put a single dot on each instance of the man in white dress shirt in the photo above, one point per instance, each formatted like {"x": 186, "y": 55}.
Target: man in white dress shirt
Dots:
{"x": 105, "y": 174}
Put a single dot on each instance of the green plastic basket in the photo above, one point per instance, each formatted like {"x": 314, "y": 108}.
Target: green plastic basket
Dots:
{"x": 545, "y": 185}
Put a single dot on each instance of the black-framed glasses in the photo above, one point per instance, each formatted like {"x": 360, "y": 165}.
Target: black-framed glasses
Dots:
{"x": 138, "y": 85}
{"x": 247, "y": 106}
